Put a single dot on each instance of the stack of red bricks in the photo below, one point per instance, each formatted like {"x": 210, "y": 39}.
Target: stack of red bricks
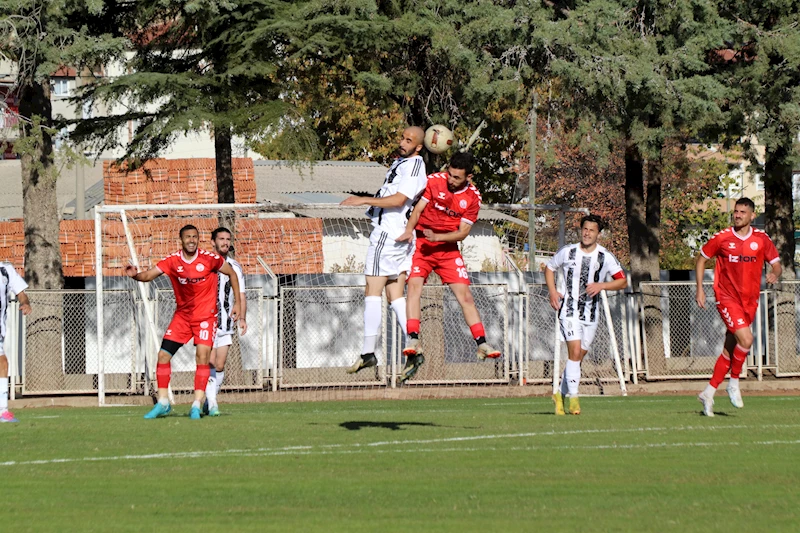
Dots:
{"x": 12, "y": 243}
{"x": 77, "y": 247}
{"x": 287, "y": 245}
{"x": 175, "y": 181}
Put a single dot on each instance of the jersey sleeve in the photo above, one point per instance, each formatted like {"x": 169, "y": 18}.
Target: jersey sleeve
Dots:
{"x": 770, "y": 252}
{"x": 557, "y": 260}
{"x": 15, "y": 281}
{"x": 215, "y": 262}
{"x": 411, "y": 177}
{"x": 239, "y": 275}
{"x": 614, "y": 269}
{"x": 427, "y": 194}
{"x": 711, "y": 247}
{"x": 471, "y": 214}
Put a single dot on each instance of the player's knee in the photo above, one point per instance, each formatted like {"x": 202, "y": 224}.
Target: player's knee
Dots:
{"x": 168, "y": 349}
{"x": 3, "y": 366}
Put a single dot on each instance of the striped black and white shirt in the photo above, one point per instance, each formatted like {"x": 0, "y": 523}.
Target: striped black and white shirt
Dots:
{"x": 578, "y": 270}
{"x": 225, "y": 324}
{"x": 10, "y": 282}
{"x": 407, "y": 176}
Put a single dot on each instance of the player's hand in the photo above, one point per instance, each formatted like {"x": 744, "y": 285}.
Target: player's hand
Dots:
{"x": 555, "y": 300}
{"x": 235, "y": 312}
{"x": 242, "y": 326}
{"x": 700, "y": 298}
{"x": 593, "y": 289}
{"x": 131, "y": 271}
{"x": 353, "y": 200}
{"x": 429, "y": 234}
{"x": 772, "y": 278}
{"x": 406, "y": 236}
{"x": 25, "y": 308}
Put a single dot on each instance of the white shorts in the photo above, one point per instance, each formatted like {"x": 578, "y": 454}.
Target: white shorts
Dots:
{"x": 223, "y": 339}
{"x": 571, "y": 329}
{"x": 385, "y": 257}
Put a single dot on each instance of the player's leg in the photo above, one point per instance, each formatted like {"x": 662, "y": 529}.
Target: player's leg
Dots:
{"x": 472, "y": 317}
{"x": 5, "y": 414}
{"x": 219, "y": 354}
{"x": 395, "y": 289}
{"x": 743, "y": 342}
{"x": 731, "y": 313}
{"x": 164, "y": 374}
{"x": 201, "y": 375}
{"x": 372, "y": 322}
{"x": 413, "y": 349}
{"x": 576, "y": 351}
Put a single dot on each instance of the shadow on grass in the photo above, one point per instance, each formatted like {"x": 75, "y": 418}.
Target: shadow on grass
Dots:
{"x": 394, "y": 426}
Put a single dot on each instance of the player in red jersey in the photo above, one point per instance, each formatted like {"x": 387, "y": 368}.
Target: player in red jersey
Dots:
{"x": 193, "y": 274}
{"x": 740, "y": 252}
{"x": 443, "y": 216}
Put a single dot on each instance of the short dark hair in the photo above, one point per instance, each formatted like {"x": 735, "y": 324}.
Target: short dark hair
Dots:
{"x": 463, "y": 161}
{"x": 187, "y": 227}
{"x": 747, "y": 202}
{"x": 597, "y": 219}
{"x": 218, "y": 231}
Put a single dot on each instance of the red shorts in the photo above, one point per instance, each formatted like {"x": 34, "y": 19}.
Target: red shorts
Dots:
{"x": 182, "y": 329}
{"x": 735, "y": 315}
{"x": 444, "y": 259}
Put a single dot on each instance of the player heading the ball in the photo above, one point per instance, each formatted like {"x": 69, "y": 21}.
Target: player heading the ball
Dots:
{"x": 741, "y": 251}
{"x": 441, "y": 219}
{"x": 389, "y": 260}
{"x": 585, "y": 267}
{"x": 193, "y": 274}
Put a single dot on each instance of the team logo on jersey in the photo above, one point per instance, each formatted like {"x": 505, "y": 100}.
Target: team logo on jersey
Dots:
{"x": 416, "y": 270}
{"x": 732, "y": 245}
{"x": 462, "y": 204}
{"x": 754, "y": 246}
{"x": 459, "y": 261}
{"x": 441, "y": 196}
{"x": 200, "y": 267}
{"x": 740, "y": 321}
{"x": 203, "y": 325}
{"x": 180, "y": 268}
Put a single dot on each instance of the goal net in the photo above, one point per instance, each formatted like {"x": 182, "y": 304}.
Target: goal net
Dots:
{"x": 303, "y": 267}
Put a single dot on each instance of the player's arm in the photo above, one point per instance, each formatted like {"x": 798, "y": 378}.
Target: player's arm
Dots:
{"x": 408, "y": 234}
{"x": 228, "y": 270}
{"x": 395, "y": 200}
{"x": 24, "y": 303}
{"x": 555, "y": 296}
{"x": 617, "y": 283}
{"x": 775, "y": 272}
{"x": 699, "y": 272}
{"x": 147, "y": 275}
{"x": 454, "y": 236}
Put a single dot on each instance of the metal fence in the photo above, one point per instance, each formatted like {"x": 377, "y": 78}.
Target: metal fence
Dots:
{"x": 306, "y": 336}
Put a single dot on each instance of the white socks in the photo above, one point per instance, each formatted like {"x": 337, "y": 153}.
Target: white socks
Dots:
{"x": 372, "y": 323}
{"x": 220, "y": 379}
{"x": 733, "y": 383}
{"x": 709, "y": 391}
{"x": 399, "y": 306}
{"x": 214, "y": 385}
{"x": 3, "y": 394}
{"x": 573, "y": 374}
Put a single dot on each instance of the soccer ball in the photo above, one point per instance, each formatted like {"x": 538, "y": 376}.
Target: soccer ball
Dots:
{"x": 438, "y": 139}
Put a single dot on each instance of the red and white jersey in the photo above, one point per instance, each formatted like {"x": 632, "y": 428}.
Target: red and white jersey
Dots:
{"x": 447, "y": 210}
{"x": 194, "y": 282}
{"x": 740, "y": 261}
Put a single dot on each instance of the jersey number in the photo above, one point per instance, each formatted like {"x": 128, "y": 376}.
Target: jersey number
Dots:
{"x": 204, "y": 334}
{"x": 462, "y": 273}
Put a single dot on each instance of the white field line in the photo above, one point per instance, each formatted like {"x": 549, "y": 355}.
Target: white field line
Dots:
{"x": 373, "y": 446}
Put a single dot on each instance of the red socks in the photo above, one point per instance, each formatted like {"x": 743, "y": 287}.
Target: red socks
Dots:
{"x": 163, "y": 374}
{"x": 477, "y": 330}
{"x": 739, "y": 355}
{"x": 201, "y": 377}
{"x": 412, "y": 325}
{"x": 720, "y": 371}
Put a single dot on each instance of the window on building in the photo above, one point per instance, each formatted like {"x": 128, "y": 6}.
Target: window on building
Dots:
{"x": 60, "y": 86}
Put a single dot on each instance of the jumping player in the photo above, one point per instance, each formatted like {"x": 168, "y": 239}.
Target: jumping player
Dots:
{"x": 193, "y": 274}
{"x": 10, "y": 282}
{"x": 585, "y": 266}
{"x": 442, "y": 218}
{"x": 389, "y": 260}
{"x": 226, "y": 325}
{"x": 740, "y": 252}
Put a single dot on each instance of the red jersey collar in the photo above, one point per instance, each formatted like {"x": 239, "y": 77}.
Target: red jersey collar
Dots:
{"x": 749, "y": 233}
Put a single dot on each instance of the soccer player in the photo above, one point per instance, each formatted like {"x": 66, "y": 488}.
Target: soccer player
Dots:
{"x": 193, "y": 274}
{"x": 389, "y": 260}
{"x": 226, "y": 325}
{"x": 442, "y": 218}
{"x": 586, "y": 267}
{"x": 740, "y": 252}
{"x": 10, "y": 281}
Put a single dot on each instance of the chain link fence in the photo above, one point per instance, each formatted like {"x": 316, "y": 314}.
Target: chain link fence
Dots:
{"x": 784, "y": 318}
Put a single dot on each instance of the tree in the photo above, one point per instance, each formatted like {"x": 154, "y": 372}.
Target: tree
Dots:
{"x": 40, "y": 37}
{"x": 196, "y": 65}
{"x": 636, "y": 73}
{"x": 762, "y": 65}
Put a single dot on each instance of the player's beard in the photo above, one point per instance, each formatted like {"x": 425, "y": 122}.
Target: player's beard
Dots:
{"x": 402, "y": 154}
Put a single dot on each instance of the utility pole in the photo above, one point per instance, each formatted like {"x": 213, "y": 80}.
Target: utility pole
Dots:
{"x": 532, "y": 186}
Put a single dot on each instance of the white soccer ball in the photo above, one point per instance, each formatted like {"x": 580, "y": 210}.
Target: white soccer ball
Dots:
{"x": 438, "y": 139}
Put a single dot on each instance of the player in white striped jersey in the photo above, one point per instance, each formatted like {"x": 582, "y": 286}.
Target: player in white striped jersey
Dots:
{"x": 10, "y": 282}
{"x": 226, "y": 326}
{"x": 585, "y": 267}
{"x": 388, "y": 261}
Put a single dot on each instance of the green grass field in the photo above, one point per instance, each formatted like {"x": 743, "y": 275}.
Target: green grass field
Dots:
{"x": 625, "y": 464}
